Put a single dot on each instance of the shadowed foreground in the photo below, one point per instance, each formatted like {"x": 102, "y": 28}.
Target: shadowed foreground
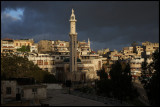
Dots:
{"x": 59, "y": 98}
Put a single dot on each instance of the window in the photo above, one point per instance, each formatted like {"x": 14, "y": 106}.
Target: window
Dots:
{"x": 22, "y": 93}
{"x": 34, "y": 90}
{"x": 8, "y": 90}
{"x": 18, "y": 90}
{"x": 16, "y": 44}
{"x": 39, "y": 62}
{"x": 46, "y": 69}
{"x": 45, "y": 62}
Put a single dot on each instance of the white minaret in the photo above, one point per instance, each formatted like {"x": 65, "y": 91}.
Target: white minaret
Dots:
{"x": 89, "y": 42}
{"x": 73, "y": 43}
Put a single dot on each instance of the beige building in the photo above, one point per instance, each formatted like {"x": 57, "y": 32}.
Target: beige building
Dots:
{"x": 23, "y": 42}
{"x": 10, "y": 89}
{"x": 34, "y": 48}
{"x": 45, "y": 46}
{"x": 86, "y": 69}
{"x": 61, "y": 47}
{"x": 84, "y": 47}
{"x": 139, "y": 50}
{"x": 31, "y": 92}
{"x": 127, "y": 50}
{"x": 135, "y": 65}
{"x": 7, "y": 46}
{"x": 46, "y": 61}
{"x": 149, "y": 47}
{"x": 103, "y": 51}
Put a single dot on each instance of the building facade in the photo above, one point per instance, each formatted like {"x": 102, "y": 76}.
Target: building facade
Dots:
{"x": 45, "y": 46}
{"x": 7, "y": 46}
{"x": 23, "y": 42}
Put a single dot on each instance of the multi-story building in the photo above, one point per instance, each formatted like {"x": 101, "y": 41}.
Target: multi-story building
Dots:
{"x": 59, "y": 64}
{"x": 7, "y": 46}
{"x": 127, "y": 50}
{"x": 84, "y": 48}
{"x": 103, "y": 51}
{"x": 45, "y": 46}
{"x": 23, "y": 42}
{"x": 60, "y": 47}
{"x": 139, "y": 50}
{"x": 135, "y": 65}
{"x": 86, "y": 69}
{"x": 149, "y": 47}
{"x": 46, "y": 61}
{"x": 34, "y": 48}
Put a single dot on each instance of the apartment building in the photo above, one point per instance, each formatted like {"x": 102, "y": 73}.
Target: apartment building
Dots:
{"x": 86, "y": 69}
{"x": 84, "y": 47}
{"x": 46, "y": 61}
{"x": 149, "y": 47}
{"x": 23, "y": 42}
{"x": 135, "y": 65}
{"x": 34, "y": 48}
{"x": 127, "y": 50}
{"x": 103, "y": 51}
{"x": 45, "y": 46}
{"x": 139, "y": 50}
{"x": 60, "y": 47}
{"x": 7, "y": 45}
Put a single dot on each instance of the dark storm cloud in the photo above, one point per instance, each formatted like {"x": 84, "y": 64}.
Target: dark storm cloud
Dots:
{"x": 108, "y": 24}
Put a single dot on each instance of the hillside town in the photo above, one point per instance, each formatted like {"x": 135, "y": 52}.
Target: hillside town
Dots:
{"x": 52, "y": 56}
{"x": 58, "y": 72}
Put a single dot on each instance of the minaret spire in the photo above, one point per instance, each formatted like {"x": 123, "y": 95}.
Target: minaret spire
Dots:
{"x": 73, "y": 43}
{"x": 72, "y": 11}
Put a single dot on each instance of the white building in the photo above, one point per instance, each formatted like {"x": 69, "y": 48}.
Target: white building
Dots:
{"x": 34, "y": 48}
{"x": 135, "y": 65}
{"x": 10, "y": 89}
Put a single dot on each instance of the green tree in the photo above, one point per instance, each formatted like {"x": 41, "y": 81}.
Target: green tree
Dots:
{"x": 122, "y": 81}
{"x": 104, "y": 84}
{"x": 153, "y": 85}
{"x": 144, "y": 68}
{"x": 103, "y": 74}
{"x": 19, "y": 67}
{"x": 24, "y": 49}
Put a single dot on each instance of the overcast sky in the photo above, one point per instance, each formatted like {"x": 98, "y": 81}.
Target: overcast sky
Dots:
{"x": 108, "y": 24}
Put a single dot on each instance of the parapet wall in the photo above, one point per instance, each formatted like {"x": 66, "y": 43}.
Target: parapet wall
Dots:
{"x": 54, "y": 86}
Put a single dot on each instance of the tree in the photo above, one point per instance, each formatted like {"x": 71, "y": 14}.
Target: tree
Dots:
{"x": 19, "y": 67}
{"x": 153, "y": 85}
{"x": 119, "y": 85}
{"x": 122, "y": 81}
{"x": 144, "y": 67}
{"x": 24, "y": 49}
{"x": 104, "y": 84}
{"x": 103, "y": 74}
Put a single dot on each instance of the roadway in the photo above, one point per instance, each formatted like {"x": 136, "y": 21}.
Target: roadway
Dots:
{"x": 143, "y": 95}
{"x": 59, "y": 98}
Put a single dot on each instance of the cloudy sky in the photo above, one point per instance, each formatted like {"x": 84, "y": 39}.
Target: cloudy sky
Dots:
{"x": 108, "y": 24}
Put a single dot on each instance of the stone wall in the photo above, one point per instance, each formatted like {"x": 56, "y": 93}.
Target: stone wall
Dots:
{"x": 54, "y": 86}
